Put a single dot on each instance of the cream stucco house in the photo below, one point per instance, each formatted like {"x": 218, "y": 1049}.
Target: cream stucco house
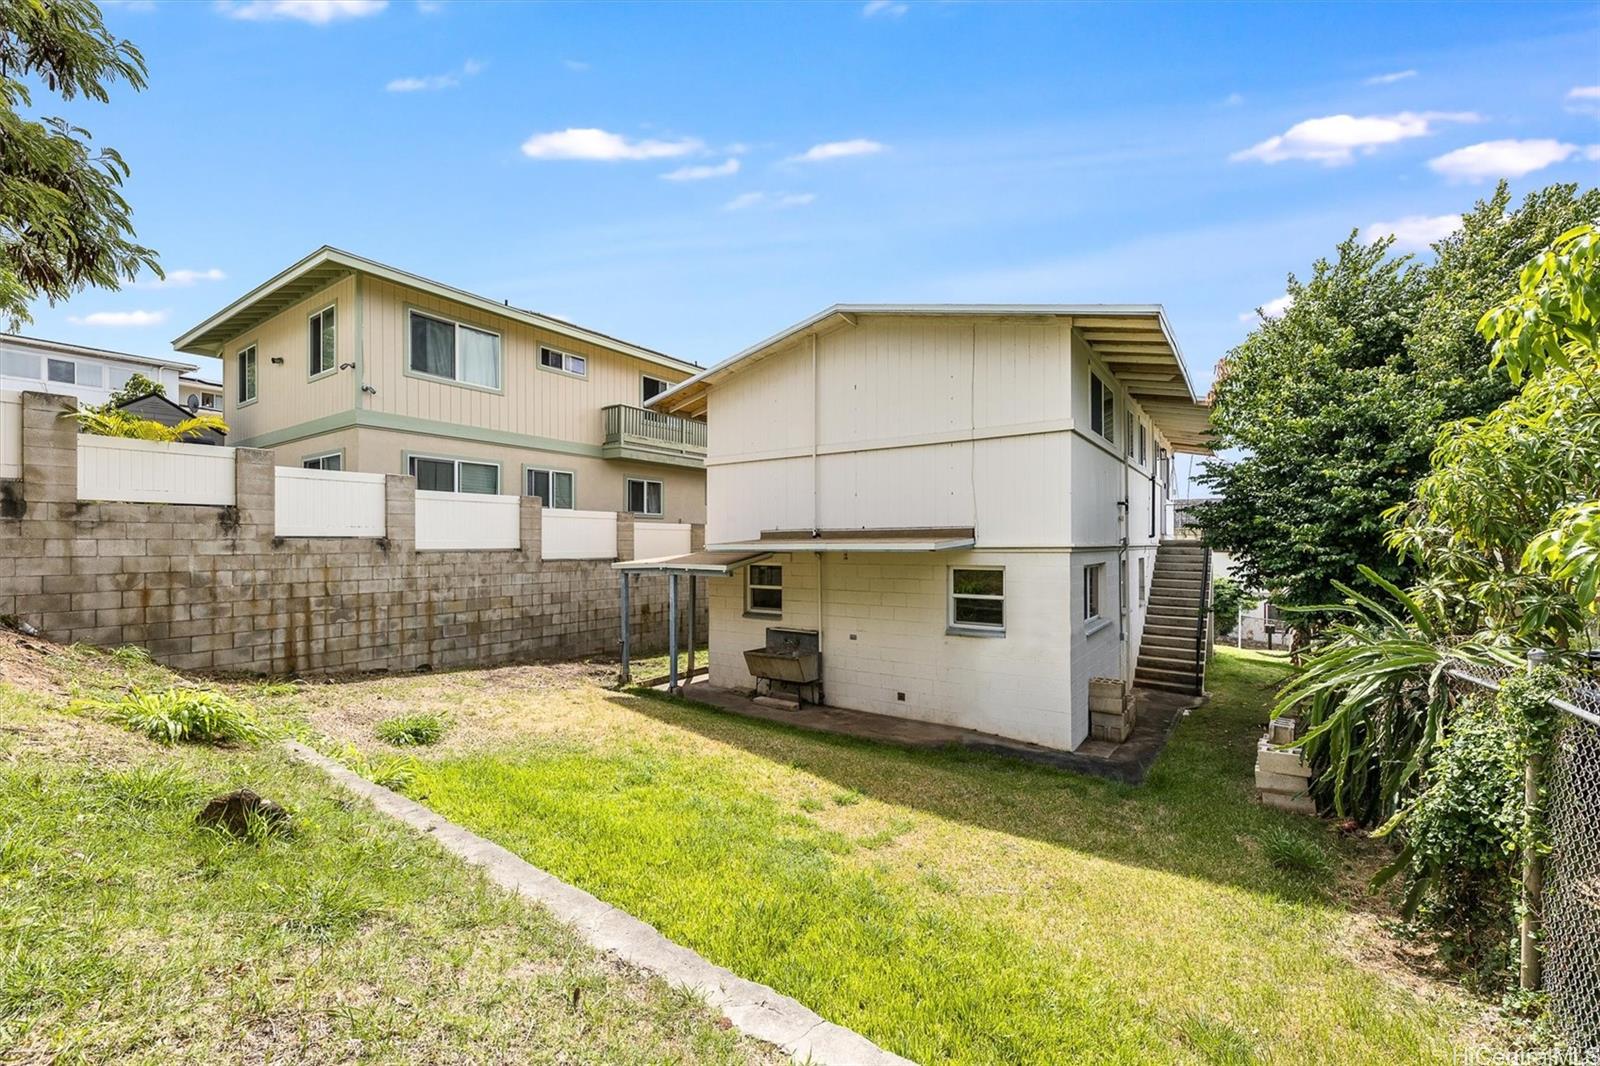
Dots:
{"x": 964, "y": 508}
{"x": 340, "y": 362}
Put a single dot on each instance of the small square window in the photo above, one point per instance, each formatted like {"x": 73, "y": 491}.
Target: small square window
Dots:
{"x": 764, "y": 590}
{"x": 644, "y": 497}
{"x": 651, "y": 387}
{"x": 978, "y": 598}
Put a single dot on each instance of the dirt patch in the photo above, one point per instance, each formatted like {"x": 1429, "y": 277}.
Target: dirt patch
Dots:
{"x": 32, "y": 664}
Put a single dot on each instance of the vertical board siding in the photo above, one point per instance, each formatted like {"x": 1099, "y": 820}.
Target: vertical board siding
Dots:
{"x": 456, "y": 521}
{"x": 285, "y": 395}
{"x": 328, "y": 503}
{"x": 658, "y": 540}
{"x": 579, "y": 535}
{"x": 10, "y": 435}
{"x": 140, "y": 471}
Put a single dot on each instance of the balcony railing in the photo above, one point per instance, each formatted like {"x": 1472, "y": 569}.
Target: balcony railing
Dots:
{"x": 635, "y": 433}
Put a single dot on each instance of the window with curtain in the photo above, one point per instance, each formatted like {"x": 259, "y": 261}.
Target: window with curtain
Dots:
{"x": 479, "y": 356}
{"x": 434, "y": 475}
{"x": 323, "y": 343}
{"x": 441, "y": 348}
{"x": 644, "y": 497}
{"x": 478, "y": 477}
{"x": 120, "y": 377}
{"x": 247, "y": 374}
{"x": 19, "y": 365}
{"x": 553, "y": 487}
{"x": 978, "y": 598}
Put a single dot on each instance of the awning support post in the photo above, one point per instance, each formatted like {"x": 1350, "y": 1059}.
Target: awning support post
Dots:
{"x": 688, "y": 672}
{"x": 672, "y": 633}
{"x": 625, "y": 675}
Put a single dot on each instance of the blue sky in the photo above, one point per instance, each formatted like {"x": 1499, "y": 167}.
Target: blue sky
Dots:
{"x": 1190, "y": 155}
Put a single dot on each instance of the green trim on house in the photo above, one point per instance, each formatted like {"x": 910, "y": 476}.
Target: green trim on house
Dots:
{"x": 406, "y": 424}
{"x": 301, "y": 430}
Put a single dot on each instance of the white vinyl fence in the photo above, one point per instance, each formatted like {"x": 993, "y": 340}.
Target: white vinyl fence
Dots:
{"x": 142, "y": 471}
{"x": 458, "y": 521}
{"x": 578, "y": 534}
{"x": 658, "y": 540}
{"x": 329, "y": 503}
{"x": 10, "y": 435}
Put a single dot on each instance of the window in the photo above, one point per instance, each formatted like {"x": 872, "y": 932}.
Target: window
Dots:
{"x": 441, "y": 348}
{"x": 209, "y": 400}
{"x": 978, "y": 598}
{"x": 1128, "y": 442}
{"x": 652, "y": 388}
{"x": 92, "y": 375}
{"x": 1102, "y": 408}
{"x": 644, "y": 497}
{"x": 1143, "y": 455}
{"x": 247, "y": 374}
{"x": 454, "y": 475}
{"x": 331, "y": 461}
{"x": 19, "y": 365}
{"x": 1093, "y": 577}
{"x": 63, "y": 370}
{"x": 764, "y": 590}
{"x": 566, "y": 362}
{"x": 554, "y": 487}
{"x": 323, "y": 342}
{"x": 120, "y": 377}
{"x": 1141, "y": 579}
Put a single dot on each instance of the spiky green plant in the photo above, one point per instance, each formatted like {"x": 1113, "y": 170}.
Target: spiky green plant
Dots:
{"x": 412, "y": 730}
{"x": 98, "y": 422}
{"x": 178, "y": 714}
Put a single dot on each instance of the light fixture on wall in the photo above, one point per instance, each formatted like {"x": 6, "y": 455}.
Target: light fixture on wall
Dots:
{"x": 277, "y": 360}
{"x": 369, "y": 390}
{"x": 347, "y": 366}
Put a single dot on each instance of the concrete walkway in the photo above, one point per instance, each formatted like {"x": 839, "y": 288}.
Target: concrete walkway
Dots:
{"x": 1158, "y": 715}
{"x": 754, "y": 1009}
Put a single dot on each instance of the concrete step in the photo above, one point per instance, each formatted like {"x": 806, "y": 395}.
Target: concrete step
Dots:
{"x": 1181, "y": 647}
{"x": 1190, "y": 604}
{"x": 1185, "y": 685}
{"x": 1171, "y": 672}
{"x": 1159, "y": 629}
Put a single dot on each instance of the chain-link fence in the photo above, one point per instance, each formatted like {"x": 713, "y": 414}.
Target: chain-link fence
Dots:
{"x": 1571, "y": 938}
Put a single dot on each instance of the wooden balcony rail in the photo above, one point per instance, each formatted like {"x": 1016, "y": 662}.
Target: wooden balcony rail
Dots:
{"x": 636, "y": 429}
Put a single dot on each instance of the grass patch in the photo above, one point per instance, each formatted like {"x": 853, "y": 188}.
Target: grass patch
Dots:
{"x": 957, "y": 907}
{"x": 411, "y": 730}
{"x": 173, "y": 715}
{"x": 1293, "y": 852}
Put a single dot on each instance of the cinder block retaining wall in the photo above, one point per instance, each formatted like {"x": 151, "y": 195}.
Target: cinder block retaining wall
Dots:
{"x": 208, "y": 588}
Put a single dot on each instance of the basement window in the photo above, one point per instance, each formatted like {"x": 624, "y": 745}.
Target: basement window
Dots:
{"x": 644, "y": 497}
{"x": 454, "y": 475}
{"x": 764, "y": 590}
{"x": 553, "y": 487}
{"x": 978, "y": 599}
{"x": 1102, "y": 408}
{"x": 330, "y": 461}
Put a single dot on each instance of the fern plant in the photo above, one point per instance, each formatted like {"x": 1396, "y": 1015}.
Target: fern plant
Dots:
{"x": 178, "y": 714}
{"x": 100, "y": 422}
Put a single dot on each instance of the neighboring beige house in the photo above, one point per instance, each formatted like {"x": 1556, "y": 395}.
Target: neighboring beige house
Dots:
{"x": 340, "y": 362}
{"x": 30, "y": 364}
{"x": 961, "y": 506}
{"x": 200, "y": 394}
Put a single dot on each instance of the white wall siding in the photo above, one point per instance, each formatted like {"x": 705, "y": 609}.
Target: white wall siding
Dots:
{"x": 578, "y": 534}
{"x": 329, "y": 503}
{"x": 10, "y": 435}
{"x": 140, "y": 471}
{"x": 455, "y": 521}
{"x": 658, "y": 540}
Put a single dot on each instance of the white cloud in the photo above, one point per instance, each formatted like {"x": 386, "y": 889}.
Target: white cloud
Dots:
{"x": 603, "y": 146}
{"x": 775, "y": 201}
{"x": 435, "y": 82}
{"x": 1501, "y": 159}
{"x": 1584, "y": 100}
{"x": 429, "y": 7}
{"x": 1233, "y": 100}
{"x": 1414, "y": 231}
{"x": 119, "y": 318}
{"x": 1270, "y": 309}
{"x": 888, "y": 8}
{"x": 1335, "y": 139}
{"x": 700, "y": 173}
{"x": 1390, "y": 79}
{"x": 577, "y": 66}
{"x": 818, "y": 153}
{"x": 182, "y": 279}
{"x": 316, "y": 12}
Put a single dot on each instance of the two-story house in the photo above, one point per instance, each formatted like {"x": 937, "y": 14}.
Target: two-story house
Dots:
{"x": 31, "y": 364}
{"x": 343, "y": 363}
{"x": 960, "y": 506}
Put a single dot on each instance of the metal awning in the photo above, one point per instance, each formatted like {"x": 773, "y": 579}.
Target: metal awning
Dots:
{"x": 856, "y": 540}
{"x": 697, "y": 564}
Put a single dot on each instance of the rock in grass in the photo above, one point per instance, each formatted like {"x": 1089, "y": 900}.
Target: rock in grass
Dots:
{"x": 236, "y": 811}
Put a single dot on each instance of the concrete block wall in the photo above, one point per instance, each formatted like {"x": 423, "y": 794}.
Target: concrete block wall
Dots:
{"x": 213, "y": 588}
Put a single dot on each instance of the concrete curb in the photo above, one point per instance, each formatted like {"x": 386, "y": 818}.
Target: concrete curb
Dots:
{"x": 754, "y": 1009}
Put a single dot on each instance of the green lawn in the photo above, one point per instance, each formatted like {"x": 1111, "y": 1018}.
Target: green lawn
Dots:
{"x": 127, "y": 934}
{"x": 952, "y": 907}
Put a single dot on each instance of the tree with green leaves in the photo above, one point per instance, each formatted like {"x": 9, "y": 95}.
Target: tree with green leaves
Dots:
{"x": 1334, "y": 407}
{"x": 64, "y": 225}
{"x": 136, "y": 386}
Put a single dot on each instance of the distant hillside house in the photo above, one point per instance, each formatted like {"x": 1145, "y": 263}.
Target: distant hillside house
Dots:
{"x": 343, "y": 363}
{"x": 200, "y": 394}
{"x": 31, "y": 364}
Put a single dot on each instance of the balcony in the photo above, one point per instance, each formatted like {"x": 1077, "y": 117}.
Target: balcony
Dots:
{"x": 650, "y": 437}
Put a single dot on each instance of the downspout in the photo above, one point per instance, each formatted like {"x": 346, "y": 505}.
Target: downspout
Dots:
{"x": 816, "y": 485}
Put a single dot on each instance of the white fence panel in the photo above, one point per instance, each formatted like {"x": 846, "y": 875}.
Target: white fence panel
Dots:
{"x": 578, "y": 534}
{"x": 142, "y": 471}
{"x": 657, "y": 540}
{"x": 10, "y": 434}
{"x": 455, "y": 521}
{"x": 328, "y": 503}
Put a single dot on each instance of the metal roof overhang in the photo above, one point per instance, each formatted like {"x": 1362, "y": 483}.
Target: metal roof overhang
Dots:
{"x": 1133, "y": 340}
{"x": 698, "y": 564}
{"x": 857, "y": 540}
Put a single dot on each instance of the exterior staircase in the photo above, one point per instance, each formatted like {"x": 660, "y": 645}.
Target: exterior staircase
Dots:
{"x": 1171, "y": 656}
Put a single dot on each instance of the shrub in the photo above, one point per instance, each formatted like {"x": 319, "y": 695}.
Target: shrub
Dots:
{"x": 1294, "y": 853}
{"x": 411, "y": 730}
{"x": 179, "y": 714}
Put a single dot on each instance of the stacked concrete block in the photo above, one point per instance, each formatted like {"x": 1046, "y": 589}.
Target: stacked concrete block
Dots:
{"x": 1111, "y": 710}
{"x": 1283, "y": 780}
{"x": 214, "y": 588}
